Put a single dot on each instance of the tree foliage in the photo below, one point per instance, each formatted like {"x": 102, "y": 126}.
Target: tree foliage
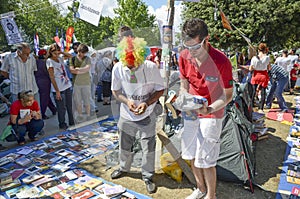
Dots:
{"x": 275, "y": 22}
{"x": 134, "y": 13}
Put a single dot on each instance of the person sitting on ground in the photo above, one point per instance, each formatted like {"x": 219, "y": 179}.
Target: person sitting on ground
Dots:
{"x": 25, "y": 116}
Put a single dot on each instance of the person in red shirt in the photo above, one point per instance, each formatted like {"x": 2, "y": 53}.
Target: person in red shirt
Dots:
{"x": 25, "y": 116}
{"x": 206, "y": 72}
{"x": 294, "y": 76}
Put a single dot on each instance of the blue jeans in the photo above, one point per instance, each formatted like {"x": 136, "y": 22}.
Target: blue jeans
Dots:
{"x": 64, "y": 105}
{"x": 99, "y": 90}
{"x": 277, "y": 88}
{"x": 33, "y": 127}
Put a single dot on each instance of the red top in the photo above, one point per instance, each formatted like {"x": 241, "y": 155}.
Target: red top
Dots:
{"x": 17, "y": 106}
{"x": 293, "y": 72}
{"x": 209, "y": 80}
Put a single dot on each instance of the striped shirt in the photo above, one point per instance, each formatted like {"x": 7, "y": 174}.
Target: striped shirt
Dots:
{"x": 21, "y": 74}
{"x": 277, "y": 72}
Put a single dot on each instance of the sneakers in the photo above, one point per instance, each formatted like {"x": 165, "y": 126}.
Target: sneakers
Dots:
{"x": 197, "y": 194}
{"x": 117, "y": 174}
{"x": 261, "y": 111}
{"x": 150, "y": 186}
{"x": 2, "y": 148}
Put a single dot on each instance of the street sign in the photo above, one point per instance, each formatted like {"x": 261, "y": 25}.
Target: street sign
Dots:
{"x": 10, "y": 28}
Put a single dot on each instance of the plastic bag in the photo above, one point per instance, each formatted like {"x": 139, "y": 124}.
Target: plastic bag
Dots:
{"x": 188, "y": 102}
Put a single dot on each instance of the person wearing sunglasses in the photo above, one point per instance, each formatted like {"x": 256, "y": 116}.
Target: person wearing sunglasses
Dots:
{"x": 206, "y": 72}
{"x": 19, "y": 67}
{"x": 25, "y": 116}
{"x": 60, "y": 84}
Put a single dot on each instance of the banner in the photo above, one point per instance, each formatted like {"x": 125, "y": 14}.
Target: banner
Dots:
{"x": 69, "y": 35}
{"x": 10, "y": 28}
{"x": 90, "y": 11}
{"x": 36, "y": 43}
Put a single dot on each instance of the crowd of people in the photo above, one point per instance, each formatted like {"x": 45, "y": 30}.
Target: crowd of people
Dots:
{"x": 73, "y": 79}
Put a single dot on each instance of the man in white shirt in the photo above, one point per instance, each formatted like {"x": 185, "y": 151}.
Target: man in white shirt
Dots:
{"x": 19, "y": 67}
{"x": 137, "y": 84}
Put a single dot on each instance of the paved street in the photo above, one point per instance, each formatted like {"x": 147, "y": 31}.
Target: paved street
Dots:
{"x": 51, "y": 124}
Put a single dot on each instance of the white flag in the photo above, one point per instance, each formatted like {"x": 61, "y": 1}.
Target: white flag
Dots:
{"x": 90, "y": 11}
{"x": 10, "y": 28}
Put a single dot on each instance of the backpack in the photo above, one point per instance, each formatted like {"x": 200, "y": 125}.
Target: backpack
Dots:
{"x": 106, "y": 76}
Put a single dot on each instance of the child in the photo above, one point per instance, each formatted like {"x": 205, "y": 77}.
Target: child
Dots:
{"x": 293, "y": 77}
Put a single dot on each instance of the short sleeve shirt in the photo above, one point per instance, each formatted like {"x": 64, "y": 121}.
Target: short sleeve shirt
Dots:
{"x": 260, "y": 64}
{"x": 21, "y": 74}
{"x": 149, "y": 80}
{"x": 62, "y": 80}
{"x": 208, "y": 80}
{"x": 81, "y": 79}
{"x": 17, "y": 106}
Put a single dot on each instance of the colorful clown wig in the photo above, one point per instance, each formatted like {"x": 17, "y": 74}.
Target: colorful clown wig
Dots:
{"x": 132, "y": 51}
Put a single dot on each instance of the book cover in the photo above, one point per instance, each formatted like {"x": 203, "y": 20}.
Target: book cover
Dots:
{"x": 5, "y": 178}
{"x": 32, "y": 192}
{"x": 13, "y": 192}
{"x": 42, "y": 181}
{"x": 49, "y": 184}
{"x": 16, "y": 173}
{"x": 57, "y": 195}
{"x": 29, "y": 179}
{"x": 71, "y": 175}
{"x": 10, "y": 185}
{"x": 169, "y": 105}
{"x": 72, "y": 190}
{"x": 59, "y": 187}
{"x": 114, "y": 190}
{"x": 91, "y": 184}
{"x": 33, "y": 169}
{"x": 82, "y": 180}
{"x": 23, "y": 161}
{"x": 85, "y": 194}
{"x": 24, "y": 150}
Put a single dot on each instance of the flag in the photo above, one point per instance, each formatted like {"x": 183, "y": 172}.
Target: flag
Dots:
{"x": 233, "y": 61}
{"x": 36, "y": 43}
{"x": 69, "y": 35}
{"x": 62, "y": 41}
{"x": 225, "y": 21}
{"x": 56, "y": 38}
{"x": 56, "y": 32}
{"x": 74, "y": 38}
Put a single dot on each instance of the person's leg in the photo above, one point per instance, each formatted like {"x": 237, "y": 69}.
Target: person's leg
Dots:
{"x": 148, "y": 159}
{"x": 263, "y": 98}
{"x": 99, "y": 92}
{"x": 270, "y": 96}
{"x": 126, "y": 151}
{"x": 210, "y": 175}
{"x": 254, "y": 94}
{"x": 77, "y": 99}
{"x": 68, "y": 104}
{"x": 86, "y": 96}
{"x": 33, "y": 127}
{"x": 20, "y": 130}
{"x": 280, "y": 88}
{"x": 208, "y": 149}
{"x": 61, "y": 110}
{"x": 199, "y": 176}
{"x": 44, "y": 100}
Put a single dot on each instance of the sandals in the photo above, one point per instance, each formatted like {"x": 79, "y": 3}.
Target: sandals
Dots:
{"x": 34, "y": 139}
{"x": 22, "y": 143}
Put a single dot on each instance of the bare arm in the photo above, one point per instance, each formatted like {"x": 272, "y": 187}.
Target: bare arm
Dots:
{"x": 5, "y": 74}
{"x": 53, "y": 81}
{"x": 218, "y": 104}
{"x": 184, "y": 86}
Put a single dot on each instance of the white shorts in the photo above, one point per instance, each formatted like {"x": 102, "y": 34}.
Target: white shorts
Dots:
{"x": 201, "y": 141}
